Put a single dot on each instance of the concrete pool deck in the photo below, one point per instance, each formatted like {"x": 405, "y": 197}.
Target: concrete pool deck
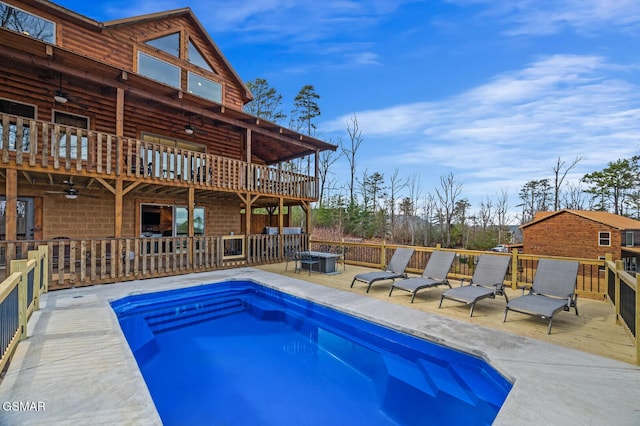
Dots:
{"x": 77, "y": 364}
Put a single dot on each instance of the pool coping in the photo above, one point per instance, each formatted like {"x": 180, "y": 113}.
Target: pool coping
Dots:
{"x": 76, "y": 335}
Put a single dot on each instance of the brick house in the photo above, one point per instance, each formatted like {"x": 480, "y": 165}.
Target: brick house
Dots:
{"x": 583, "y": 233}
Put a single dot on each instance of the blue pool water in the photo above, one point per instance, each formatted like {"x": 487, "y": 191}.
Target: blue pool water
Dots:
{"x": 239, "y": 353}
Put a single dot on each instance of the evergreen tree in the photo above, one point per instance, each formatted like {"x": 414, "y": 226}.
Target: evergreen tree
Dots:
{"x": 266, "y": 101}
{"x": 305, "y": 110}
{"x": 611, "y": 186}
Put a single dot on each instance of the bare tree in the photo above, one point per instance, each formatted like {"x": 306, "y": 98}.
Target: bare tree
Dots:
{"x": 447, "y": 195}
{"x": 502, "y": 210}
{"x": 413, "y": 184}
{"x": 395, "y": 186}
{"x": 559, "y": 175}
{"x": 327, "y": 159}
{"x": 535, "y": 196}
{"x": 428, "y": 216}
{"x": 485, "y": 214}
{"x": 575, "y": 198}
{"x": 355, "y": 139}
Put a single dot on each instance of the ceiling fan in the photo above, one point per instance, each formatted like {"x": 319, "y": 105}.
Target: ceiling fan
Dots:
{"x": 70, "y": 192}
{"x": 189, "y": 129}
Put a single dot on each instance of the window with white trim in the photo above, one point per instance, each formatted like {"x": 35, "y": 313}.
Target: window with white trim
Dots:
{"x": 604, "y": 238}
{"x": 628, "y": 241}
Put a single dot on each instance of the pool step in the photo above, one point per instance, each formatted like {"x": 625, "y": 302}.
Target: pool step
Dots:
{"x": 482, "y": 384}
{"x": 192, "y": 313}
{"x": 264, "y": 310}
{"x": 408, "y": 372}
{"x": 446, "y": 380}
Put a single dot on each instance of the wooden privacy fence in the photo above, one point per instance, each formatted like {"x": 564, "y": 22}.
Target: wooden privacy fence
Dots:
{"x": 19, "y": 297}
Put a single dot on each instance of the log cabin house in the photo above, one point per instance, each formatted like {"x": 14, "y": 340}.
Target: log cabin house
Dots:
{"x": 127, "y": 140}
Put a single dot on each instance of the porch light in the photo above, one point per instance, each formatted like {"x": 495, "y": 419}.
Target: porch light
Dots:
{"x": 188, "y": 129}
{"x": 60, "y": 97}
{"x": 71, "y": 196}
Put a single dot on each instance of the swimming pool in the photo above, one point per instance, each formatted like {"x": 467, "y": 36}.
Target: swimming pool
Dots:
{"x": 242, "y": 353}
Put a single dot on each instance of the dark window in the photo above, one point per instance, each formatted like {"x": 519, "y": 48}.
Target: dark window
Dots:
{"x": 71, "y": 120}
{"x": 22, "y": 110}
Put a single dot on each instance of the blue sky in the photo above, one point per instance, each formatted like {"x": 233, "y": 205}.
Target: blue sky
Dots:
{"x": 491, "y": 91}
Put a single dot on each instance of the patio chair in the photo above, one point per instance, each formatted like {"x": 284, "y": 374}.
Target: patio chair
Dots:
{"x": 395, "y": 268}
{"x": 342, "y": 251}
{"x": 553, "y": 290}
{"x": 306, "y": 259}
{"x": 435, "y": 274}
{"x": 487, "y": 282}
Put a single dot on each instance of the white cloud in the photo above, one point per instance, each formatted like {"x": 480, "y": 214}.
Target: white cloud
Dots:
{"x": 515, "y": 126}
{"x": 544, "y": 17}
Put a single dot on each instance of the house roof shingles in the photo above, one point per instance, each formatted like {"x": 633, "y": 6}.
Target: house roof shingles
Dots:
{"x": 605, "y": 218}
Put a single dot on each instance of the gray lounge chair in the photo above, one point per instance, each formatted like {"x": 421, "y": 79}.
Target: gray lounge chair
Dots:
{"x": 435, "y": 274}
{"x": 553, "y": 290}
{"x": 487, "y": 281}
{"x": 395, "y": 268}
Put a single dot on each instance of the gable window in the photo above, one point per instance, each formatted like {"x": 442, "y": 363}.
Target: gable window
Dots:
{"x": 169, "y": 44}
{"x": 21, "y": 110}
{"x": 629, "y": 239}
{"x": 604, "y": 239}
{"x": 26, "y": 23}
{"x": 197, "y": 59}
{"x": 68, "y": 144}
{"x": 158, "y": 70}
{"x": 204, "y": 87}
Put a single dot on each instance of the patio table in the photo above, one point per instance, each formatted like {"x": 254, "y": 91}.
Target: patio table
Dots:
{"x": 327, "y": 264}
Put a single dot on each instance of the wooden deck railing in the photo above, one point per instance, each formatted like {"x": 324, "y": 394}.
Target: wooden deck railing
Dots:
{"x": 591, "y": 276}
{"x": 33, "y": 144}
{"x": 19, "y": 297}
{"x": 108, "y": 260}
{"x": 622, "y": 291}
